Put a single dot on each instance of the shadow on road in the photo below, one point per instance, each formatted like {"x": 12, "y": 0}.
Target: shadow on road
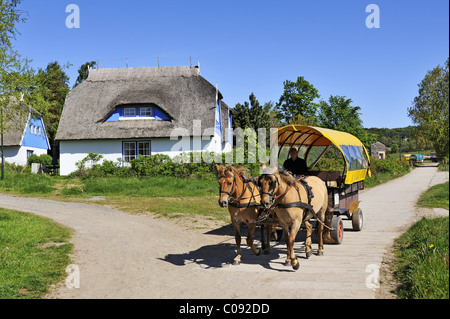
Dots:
{"x": 221, "y": 255}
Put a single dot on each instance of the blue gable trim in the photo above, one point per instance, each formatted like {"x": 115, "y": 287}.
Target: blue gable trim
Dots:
{"x": 230, "y": 129}
{"x": 218, "y": 119}
{"x": 35, "y": 135}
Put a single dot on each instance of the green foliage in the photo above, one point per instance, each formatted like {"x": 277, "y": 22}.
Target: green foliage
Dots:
{"x": 391, "y": 166}
{"x": 385, "y": 170}
{"x": 90, "y": 160}
{"x": 186, "y": 165}
{"x": 339, "y": 114}
{"x": 83, "y": 72}
{"x": 430, "y": 109}
{"x": 48, "y": 95}
{"x": 15, "y": 74}
{"x": 253, "y": 115}
{"x": 423, "y": 260}
{"x": 297, "y": 100}
{"x": 41, "y": 159}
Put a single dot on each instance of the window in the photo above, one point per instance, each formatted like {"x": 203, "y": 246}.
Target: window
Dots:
{"x": 129, "y": 151}
{"x": 29, "y": 153}
{"x": 145, "y": 111}
{"x": 31, "y": 129}
{"x": 129, "y": 111}
{"x": 144, "y": 148}
{"x": 38, "y": 130}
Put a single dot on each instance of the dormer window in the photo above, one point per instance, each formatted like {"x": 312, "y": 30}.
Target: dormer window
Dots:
{"x": 138, "y": 112}
{"x": 145, "y": 111}
{"x": 129, "y": 111}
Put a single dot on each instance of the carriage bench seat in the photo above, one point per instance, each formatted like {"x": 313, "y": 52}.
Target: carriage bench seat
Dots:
{"x": 331, "y": 178}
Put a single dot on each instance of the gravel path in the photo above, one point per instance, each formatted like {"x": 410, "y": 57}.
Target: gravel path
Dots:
{"x": 134, "y": 256}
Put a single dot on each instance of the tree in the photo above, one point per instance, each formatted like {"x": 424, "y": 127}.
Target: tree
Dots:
{"x": 15, "y": 75}
{"x": 252, "y": 115}
{"x": 83, "y": 72}
{"x": 430, "y": 109}
{"x": 297, "y": 101}
{"x": 339, "y": 114}
{"x": 49, "y": 94}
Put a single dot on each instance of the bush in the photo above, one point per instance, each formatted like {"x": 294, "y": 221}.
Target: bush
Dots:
{"x": 391, "y": 166}
{"x": 41, "y": 159}
{"x": 155, "y": 165}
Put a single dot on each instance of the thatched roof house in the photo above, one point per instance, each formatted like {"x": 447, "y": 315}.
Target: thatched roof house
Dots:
{"x": 24, "y": 134}
{"x": 137, "y": 104}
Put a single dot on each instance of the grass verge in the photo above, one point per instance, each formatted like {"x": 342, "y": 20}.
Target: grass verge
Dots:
{"x": 436, "y": 196}
{"x": 34, "y": 252}
{"x": 423, "y": 260}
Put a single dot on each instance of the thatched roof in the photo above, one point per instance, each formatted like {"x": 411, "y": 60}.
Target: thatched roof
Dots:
{"x": 16, "y": 123}
{"x": 180, "y": 91}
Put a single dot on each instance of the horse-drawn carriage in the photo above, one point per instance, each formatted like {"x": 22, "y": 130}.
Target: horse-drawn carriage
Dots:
{"x": 279, "y": 199}
{"x": 343, "y": 186}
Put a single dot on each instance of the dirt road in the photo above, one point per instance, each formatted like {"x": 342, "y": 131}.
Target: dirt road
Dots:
{"x": 133, "y": 256}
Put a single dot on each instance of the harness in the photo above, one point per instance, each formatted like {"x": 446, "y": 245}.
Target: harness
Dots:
{"x": 299, "y": 203}
{"x": 235, "y": 202}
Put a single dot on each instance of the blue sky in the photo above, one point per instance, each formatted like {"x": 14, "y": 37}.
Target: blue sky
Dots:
{"x": 253, "y": 46}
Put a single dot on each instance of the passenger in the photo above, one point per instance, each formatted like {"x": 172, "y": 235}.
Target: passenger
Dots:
{"x": 294, "y": 164}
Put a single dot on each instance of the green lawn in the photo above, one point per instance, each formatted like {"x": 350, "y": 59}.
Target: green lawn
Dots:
{"x": 34, "y": 252}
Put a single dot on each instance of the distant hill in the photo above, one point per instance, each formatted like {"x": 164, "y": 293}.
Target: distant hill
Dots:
{"x": 391, "y": 138}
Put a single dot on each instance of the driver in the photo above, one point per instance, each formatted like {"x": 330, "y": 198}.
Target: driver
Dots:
{"x": 294, "y": 164}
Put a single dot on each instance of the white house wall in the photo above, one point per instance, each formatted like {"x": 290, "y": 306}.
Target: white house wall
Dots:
{"x": 18, "y": 154}
{"x": 72, "y": 152}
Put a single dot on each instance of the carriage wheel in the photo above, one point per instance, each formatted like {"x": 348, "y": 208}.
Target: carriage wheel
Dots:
{"x": 337, "y": 234}
{"x": 357, "y": 220}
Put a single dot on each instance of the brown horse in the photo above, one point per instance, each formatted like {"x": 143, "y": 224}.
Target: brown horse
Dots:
{"x": 293, "y": 206}
{"x": 242, "y": 198}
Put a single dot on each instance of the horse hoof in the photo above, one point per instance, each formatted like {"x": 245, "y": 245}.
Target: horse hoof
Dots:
{"x": 236, "y": 262}
{"x": 266, "y": 252}
{"x": 320, "y": 253}
{"x": 287, "y": 263}
{"x": 308, "y": 254}
{"x": 258, "y": 252}
{"x": 296, "y": 266}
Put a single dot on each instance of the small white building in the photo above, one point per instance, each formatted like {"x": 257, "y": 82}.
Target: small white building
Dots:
{"x": 25, "y": 136}
{"x": 123, "y": 113}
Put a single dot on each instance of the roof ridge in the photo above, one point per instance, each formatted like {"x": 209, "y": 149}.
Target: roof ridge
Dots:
{"x": 118, "y": 74}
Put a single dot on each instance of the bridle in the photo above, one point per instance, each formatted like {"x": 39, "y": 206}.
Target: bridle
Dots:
{"x": 273, "y": 185}
{"x": 235, "y": 202}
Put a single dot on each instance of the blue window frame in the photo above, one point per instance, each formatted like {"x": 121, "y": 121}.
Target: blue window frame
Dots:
{"x": 129, "y": 111}
{"x": 145, "y": 111}
{"x": 132, "y": 149}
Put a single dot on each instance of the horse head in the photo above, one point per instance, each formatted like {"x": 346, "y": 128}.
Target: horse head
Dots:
{"x": 227, "y": 184}
{"x": 269, "y": 184}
